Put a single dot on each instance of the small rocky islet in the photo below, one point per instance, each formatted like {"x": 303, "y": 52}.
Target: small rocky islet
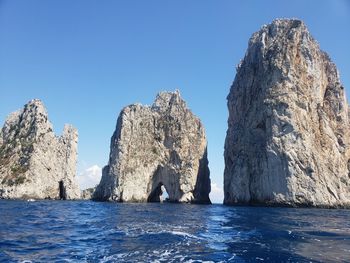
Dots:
{"x": 34, "y": 162}
{"x": 163, "y": 145}
{"x": 287, "y": 142}
{"x": 288, "y": 131}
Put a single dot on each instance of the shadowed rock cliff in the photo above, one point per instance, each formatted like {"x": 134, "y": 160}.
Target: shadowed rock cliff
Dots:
{"x": 154, "y": 146}
{"x": 34, "y": 163}
{"x": 288, "y": 130}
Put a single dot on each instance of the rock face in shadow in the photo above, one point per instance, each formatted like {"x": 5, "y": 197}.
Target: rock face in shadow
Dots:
{"x": 154, "y": 146}
{"x": 34, "y": 163}
{"x": 288, "y": 130}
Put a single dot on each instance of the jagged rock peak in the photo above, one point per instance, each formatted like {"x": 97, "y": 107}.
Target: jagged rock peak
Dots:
{"x": 34, "y": 162}
{"x": 33, "y": 119}
{"x": 166, "y": 100}
{"x": 288, "y": 135}
{"x": 153, "y": 148}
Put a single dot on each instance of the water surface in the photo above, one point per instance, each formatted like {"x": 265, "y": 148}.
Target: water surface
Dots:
{"x": 64, "y": 231}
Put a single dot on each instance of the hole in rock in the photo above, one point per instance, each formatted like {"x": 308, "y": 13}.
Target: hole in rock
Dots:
{"x": 159, "y": 194}
{"x": 165, "y": 195}
{"x": 62, "y": 190}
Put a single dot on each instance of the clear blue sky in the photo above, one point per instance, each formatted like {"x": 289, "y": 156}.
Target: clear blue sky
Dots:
{"x": 87, "y": 59}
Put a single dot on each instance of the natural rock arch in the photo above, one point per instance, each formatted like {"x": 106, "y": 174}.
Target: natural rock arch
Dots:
{"x": 162, "y": 144}
{"x": 171, "y": 182}
{"x": 156, "y": 195}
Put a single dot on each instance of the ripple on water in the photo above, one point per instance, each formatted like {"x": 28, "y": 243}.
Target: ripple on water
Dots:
{"x": 108, "y": 232}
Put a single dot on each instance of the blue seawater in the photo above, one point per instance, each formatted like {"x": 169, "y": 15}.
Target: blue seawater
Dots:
{"x": 83, "y": 231}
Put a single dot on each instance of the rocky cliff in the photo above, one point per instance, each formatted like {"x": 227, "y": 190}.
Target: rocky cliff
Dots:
{"x": 34, "y": 163}
{"x": 154, "y": 146}
{"x": 288, "y": 130}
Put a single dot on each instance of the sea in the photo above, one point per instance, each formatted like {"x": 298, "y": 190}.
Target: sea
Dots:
{"x": 85, "y": 231}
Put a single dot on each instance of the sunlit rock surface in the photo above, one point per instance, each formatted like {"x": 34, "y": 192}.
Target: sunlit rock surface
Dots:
{"x": 154, "y": 146}
{"x": 288, "y": 130}
{"x": 34, "y": 162}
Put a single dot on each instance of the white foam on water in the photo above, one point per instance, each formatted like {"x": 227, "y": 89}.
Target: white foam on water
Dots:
{"x": 221, "y": 219}
{"x": 166, "y": 253}
{"x": 200, "y": 261}
{"x": 184, "y": 234}
{"x": 233, "y": 257}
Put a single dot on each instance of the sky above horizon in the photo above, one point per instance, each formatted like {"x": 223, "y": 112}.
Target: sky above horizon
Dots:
{"x": 87, "y": 59}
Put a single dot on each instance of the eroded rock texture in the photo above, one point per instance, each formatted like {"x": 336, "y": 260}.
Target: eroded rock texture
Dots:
{"x": 288, "y": 137}
{"x": 154, "y": 146}
{"x": 34, "y": 163}
{"x": 87, "y": 194}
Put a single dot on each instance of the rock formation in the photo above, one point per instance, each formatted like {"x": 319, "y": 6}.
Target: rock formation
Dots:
{"x": 288, "y": 137}
{"x": 34, "y": 163}
{"x": 87, "y": 194}
{"x": 154, "y": 146}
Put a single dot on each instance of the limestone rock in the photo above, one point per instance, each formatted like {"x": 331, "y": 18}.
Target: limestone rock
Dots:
{"x": 34, "y": 163}
{"x": 288, "y": 130}
{"x": 87, "y": 194}
{"x": 152, "y": 146}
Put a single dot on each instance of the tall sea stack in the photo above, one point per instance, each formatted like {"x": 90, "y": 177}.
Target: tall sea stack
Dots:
{"x": 288, "y": 130}
{"x": 156, "y": 147}
{"x": 34, "y": 163}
